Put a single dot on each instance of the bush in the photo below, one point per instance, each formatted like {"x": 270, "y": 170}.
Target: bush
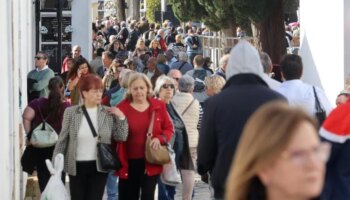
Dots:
{"x": 152, "y": 7}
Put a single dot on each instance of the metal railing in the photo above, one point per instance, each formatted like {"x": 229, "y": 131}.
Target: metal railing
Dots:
{"x": 216, "y": 46}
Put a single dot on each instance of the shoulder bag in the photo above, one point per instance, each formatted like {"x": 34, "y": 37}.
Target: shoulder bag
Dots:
{"x": 43, "y": 135}
{"x": 170, "y": 174}
{"x": 320, "y": 112}
{"x": 160, "y": 156}
{"x": 189, "y": 105}
{"x": 108, "y": 156}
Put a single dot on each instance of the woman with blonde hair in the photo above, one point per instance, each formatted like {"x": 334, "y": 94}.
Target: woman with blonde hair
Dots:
{"x": 138, "y": 177}
{"x": 279, "y": 156}
{"x": 213, "y": 84}
{"x": 140, "y": 48}
{"x": 155, "y": 48}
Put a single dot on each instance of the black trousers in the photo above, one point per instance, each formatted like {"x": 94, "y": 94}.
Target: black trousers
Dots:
{"x": 137, "y": 182}
{"x": 41, "y": 168}
{"x": 88, "y": 184}
{"x": 44, "y": 175}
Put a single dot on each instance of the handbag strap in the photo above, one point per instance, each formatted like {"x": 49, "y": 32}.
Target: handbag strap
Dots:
{"x": 189, "y": 105}
{"x": 317, "y": 102}
{"x": 150, "y": 127}
{"x": 41, "y": 115}
{"x": 89, "y": 121}
{"x": 183, "y": 63}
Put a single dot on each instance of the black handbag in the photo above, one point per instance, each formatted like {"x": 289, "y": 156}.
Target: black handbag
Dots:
{"x": 108, "y": 156}
{"x": 320, "y": 113}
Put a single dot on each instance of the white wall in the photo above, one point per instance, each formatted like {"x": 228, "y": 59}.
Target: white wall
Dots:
{"x": 5, "y": 40}
{"x": 322, "y": 44}
{"x": 82, "y": 28}
{"x": 17, "y": 56}
{"x": 347, "y": 37}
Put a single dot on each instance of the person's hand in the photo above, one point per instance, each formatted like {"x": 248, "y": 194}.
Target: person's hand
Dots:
{"x": 117, "y": 112}
{"x": 155, "y": 143}
{"x": 79, "y": 73}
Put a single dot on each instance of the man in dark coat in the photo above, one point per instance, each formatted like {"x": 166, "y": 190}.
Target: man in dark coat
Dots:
{"x": 226, "y": 114}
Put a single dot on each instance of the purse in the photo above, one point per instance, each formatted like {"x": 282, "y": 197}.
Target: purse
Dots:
{"x": 170, "y": 174}
{"x": 320, "y": 113}
{"x": 108, "y": 156}
{"x": 160, "y": 156}
{"x": 43, "y": 135}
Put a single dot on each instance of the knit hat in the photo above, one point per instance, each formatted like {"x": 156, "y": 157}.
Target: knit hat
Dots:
{"x": 244, "y": 59}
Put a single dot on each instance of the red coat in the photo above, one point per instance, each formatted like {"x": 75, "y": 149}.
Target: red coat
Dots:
{"x": 162, "y": 127}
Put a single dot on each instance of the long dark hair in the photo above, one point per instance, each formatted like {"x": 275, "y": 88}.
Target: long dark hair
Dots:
{"x": 56, "y": 96}
{"x": 73, "y": 72}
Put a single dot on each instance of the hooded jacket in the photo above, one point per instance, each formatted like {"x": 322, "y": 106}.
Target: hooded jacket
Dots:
{"x": 226, "y": 114}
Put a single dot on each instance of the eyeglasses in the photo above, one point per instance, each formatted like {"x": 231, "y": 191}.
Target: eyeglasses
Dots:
{"x": 38, "y": 58}
{"x": 166, "y": 86}
{"x": 302, "y": 157}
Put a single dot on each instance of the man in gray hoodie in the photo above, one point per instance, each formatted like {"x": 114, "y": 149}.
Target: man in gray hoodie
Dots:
{"x": 226, "y": 114}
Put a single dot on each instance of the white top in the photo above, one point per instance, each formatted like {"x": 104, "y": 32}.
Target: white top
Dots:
{"x": 45, "y": 67}
{"x": 301, "y": 94}
{"x": 149, "y": 74}
{"x": 272, "y": 83}
{"x": 86, "y": 143}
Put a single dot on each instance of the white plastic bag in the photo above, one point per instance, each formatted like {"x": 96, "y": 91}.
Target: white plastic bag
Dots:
{"x": 170, "y": 174}
{"x": 55, "y": 189}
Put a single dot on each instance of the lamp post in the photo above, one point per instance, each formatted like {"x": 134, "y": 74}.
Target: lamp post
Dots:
{"x": 163, "y": 9}
{"x": 59, "y": 30}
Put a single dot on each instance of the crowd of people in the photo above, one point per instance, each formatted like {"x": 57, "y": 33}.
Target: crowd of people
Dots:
{"x": 254, "y": 137}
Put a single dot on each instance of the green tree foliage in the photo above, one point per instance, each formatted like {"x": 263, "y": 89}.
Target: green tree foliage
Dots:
{"x": 152, "y": 7}
{"x": 188, "y": 10}
{"x": 256, "y": 10}
{"x": 217, "y": 15}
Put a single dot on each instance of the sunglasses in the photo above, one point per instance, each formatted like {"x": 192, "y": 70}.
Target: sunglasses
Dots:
{"x": 166, "y": 86}
{"x": 38, "y": 58}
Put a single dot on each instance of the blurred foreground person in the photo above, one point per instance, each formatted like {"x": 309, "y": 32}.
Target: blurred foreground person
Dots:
{"x": 279, "y": 156}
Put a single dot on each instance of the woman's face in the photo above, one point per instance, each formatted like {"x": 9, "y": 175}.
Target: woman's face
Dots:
{"x": 142, "y": 45}
{"x": 155, "y": 45}
{"x": 139, "y": 90}
{"x": 299, "y": 171}
{"x": 166, "y": 91}
{"x": 116, "y": 46}
{"x": 93, "y": 96}
{"x": 84, "y": 69}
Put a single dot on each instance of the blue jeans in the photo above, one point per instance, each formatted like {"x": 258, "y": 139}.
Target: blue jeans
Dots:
{"x": 112, "y": 186}
{"x": 165, "y": 192}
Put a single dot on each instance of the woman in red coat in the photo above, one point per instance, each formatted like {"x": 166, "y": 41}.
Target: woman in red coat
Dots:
{"x": 136, "y": 173}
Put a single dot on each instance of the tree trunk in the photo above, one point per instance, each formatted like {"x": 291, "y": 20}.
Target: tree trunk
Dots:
{"x": 120, "y": 9}
{"x": 227, "y": 34}
{"x": 136, "y": 10}
{"x": 271, "y": 34}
